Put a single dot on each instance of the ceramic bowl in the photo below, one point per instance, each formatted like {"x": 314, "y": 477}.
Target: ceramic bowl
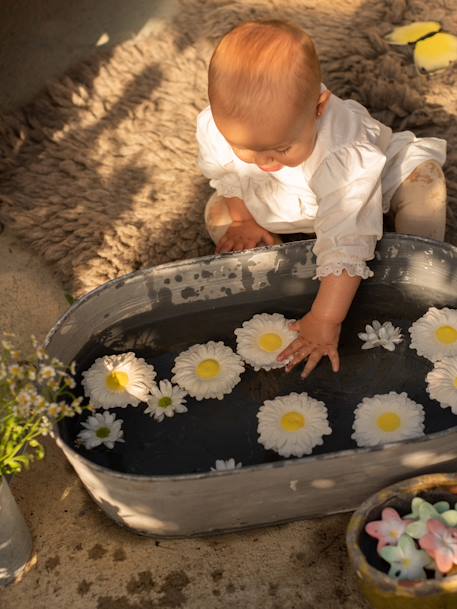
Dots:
{"x": 378, "y": 588}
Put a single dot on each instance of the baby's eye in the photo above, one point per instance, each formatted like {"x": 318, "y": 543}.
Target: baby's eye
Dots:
{"x": 284, "y": 150}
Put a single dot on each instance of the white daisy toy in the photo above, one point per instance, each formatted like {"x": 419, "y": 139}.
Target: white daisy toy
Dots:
{"x": 292, "y": 425}
{"x": 387, "y": 418}
{"x": 210, "y": 370}
{"x": 165, "y": 400}
{"x": 381, "y": 335}
{"x": 101, "y": 428}
{"x": 434, "y": 335}
{"x": 261, "y": 339}
{"x": 222, "y": 466}
{"x": 442, "y": 383}
{"x": 118, "y": 380}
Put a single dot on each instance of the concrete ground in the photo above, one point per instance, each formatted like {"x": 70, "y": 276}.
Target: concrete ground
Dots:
{"x": 41, "y": 39}
{"x": 81, "y": 559}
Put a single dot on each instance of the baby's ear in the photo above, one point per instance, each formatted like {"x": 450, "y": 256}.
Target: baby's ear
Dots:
{"x": 322, "y": 103}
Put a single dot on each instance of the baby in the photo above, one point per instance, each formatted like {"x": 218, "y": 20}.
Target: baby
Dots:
{"x": 285, "y": 155}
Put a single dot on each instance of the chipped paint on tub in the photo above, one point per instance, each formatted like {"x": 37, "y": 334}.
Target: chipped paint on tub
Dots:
{"x": 211, "y": 280}
{"x": 206, "y": 281}
{"x": 260, "y": 266}
{"x": 392, "y": 251}
{"x": 306, "y": 269}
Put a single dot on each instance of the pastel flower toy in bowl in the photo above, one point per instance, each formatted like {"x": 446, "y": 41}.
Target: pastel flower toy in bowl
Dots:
{"x": 402, "y": 543}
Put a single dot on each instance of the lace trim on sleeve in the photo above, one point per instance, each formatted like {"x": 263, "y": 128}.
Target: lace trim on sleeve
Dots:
{"x": 356, "y": 269}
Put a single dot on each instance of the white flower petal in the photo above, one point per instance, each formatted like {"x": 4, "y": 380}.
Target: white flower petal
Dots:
{"x": 137, "y": 374}
{"x": 226, "y": 371}
{"x": 434, "y": 335}
{"x": 301, "y": 433}
{"x": 172, "y": 394}
{"x": 387, "y": 418}
{"x": 249, "y": 340}
{"x": 221, "y": 465}
{"x": 88, "y": 436}
{"x": 442, "y": 383}
{"x": 377, "y": 335}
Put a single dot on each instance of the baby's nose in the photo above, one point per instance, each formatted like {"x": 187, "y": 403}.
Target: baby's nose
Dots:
{"x": 263, "y": 158}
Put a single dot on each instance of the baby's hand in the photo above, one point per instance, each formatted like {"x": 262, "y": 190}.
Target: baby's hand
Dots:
{"x": 317, "y": 338}
{"x": 244, "y": 235}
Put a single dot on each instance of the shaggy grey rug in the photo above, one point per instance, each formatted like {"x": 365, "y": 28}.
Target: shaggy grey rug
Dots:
{"x": 99, "y": 172}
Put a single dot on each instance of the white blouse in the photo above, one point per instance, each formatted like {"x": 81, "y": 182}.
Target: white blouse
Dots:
{"x": 339, "y": 192}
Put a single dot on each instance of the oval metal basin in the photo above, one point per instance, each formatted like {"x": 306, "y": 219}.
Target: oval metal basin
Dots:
{"x": 159, "y": 482}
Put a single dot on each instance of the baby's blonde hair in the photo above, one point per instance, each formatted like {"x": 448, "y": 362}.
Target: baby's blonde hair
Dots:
{"x": 260, "y": 63}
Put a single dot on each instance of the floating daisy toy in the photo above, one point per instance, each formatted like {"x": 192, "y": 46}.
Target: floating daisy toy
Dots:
{"x": 222, "y": 465}
{"x": 292, "y": 425}
{"x": 101, "y": 428}
{"x": 434, "y": 335}
{"x": 387, "y": 418}
{"x": 381, "y": 335}
{"x": 165, "y": 400}
{"x": 261, "y": 339}
{"x": 118, "y": 380}
{"x": 210, "y": 370}
{"x": 442, "y": 383}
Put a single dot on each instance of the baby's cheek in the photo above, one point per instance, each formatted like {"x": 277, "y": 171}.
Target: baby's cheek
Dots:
{"x": 293, "y": 160}
{"x": 245, "y": 156}
{"x": 297, "y": 156}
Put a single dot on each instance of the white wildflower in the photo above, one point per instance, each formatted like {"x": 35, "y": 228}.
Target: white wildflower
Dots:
{"x": 381, "y": 335}
{"x": 101, "y": 428}
{"x": 165, "y": 400}
{"x": 224, "y": 465}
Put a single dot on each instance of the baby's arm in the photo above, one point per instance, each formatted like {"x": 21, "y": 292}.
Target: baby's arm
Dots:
{"x": 319, "y": 330}
{"x": 348, "y": 223}
{"x": 244, "y": 232}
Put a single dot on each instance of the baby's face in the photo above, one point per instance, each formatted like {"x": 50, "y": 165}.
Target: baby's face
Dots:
{"x": 273, "y": 141}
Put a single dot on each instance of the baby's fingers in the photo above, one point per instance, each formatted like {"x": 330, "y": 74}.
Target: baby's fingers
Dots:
{"x": 294, "y": 346}
{"x": 313, "y": 360}
{"x": 334, "y": 359}
{"x": 268, "y": 238}
{"x": 297, "y": 357}
{"x": 224, "y": 245}
{"x": 240, "y": 245}
{"x": 250, "y": 244}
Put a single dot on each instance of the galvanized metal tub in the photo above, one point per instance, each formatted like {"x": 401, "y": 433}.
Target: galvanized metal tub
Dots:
{"x": 407, "y": 271}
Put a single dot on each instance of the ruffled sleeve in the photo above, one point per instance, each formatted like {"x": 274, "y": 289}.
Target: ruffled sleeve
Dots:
{"x": 215, "y": 157}
{"x": 349, "y": 217}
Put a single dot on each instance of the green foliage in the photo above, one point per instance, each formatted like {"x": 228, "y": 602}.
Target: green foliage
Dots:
{"x": 34, "y": 394}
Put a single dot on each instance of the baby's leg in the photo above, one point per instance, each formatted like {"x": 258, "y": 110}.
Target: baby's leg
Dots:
{"x": 218, "y": 218}
{"x": 419, "y": 203}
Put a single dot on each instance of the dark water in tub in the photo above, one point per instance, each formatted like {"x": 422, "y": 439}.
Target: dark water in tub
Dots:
{"x": 213, "y": 429}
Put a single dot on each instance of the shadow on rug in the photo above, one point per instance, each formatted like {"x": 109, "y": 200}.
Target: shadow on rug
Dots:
{"x": 99, "y": 172}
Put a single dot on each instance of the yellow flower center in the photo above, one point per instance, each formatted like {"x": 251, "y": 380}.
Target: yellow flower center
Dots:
{"x": 389, "y": 421}
{"x": 394, "y": 535}
{"x": 406, "y": 562}
{"x": 270, "y": 342}
{"x": 208, "y": 369}
{"x": 117, "y": 381}
{"x": 102, "y": 432}
{"x": 293, "y": 421}
{"x": 165, "y": 401}
{"x": 455, "y": 382}
{"x": 446, "y": 335}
